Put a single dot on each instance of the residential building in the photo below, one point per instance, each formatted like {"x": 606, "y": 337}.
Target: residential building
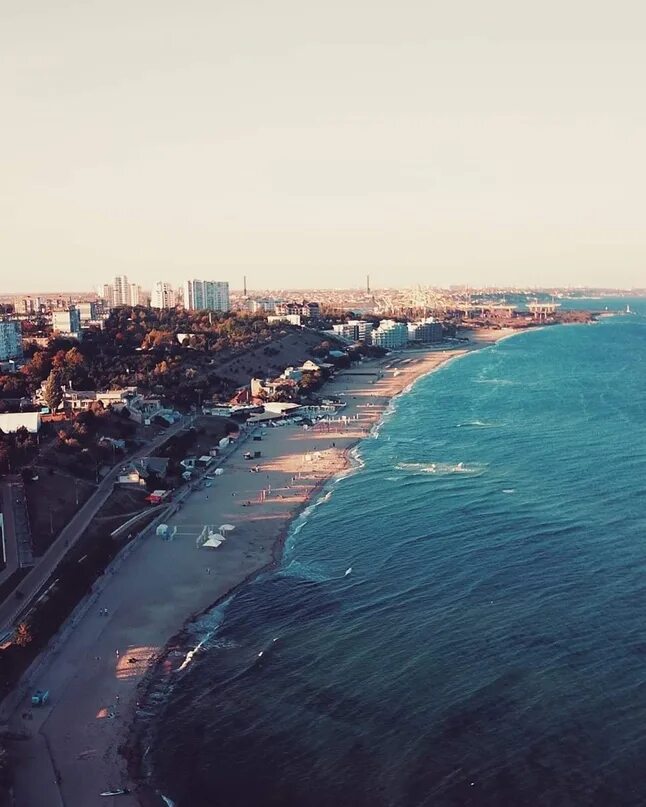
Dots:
{"x": 427, "y": 330}
{"x": 80, "y": 400}
{"x": 10, "y": 340}
{"x": 206, "y": 295}
{"x": 67, "y": 322}
{"x": 162, "y": 295}
{"x": 141, "y": 471}
{"x": 355, "y": 330}
{"x": 303, "y": 309}
{"x": 104, "y": 290}
{"x": 266, "y": 305}
{"x": 292, "y": 319}
{"x": 87, "y": 312}
{"x": 120, "y": 291}
{"x": 134, "y": 294}
{"x": 390, "y": 334}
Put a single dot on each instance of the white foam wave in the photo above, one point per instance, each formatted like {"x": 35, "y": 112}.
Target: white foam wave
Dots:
{"x": 439, "y": 468}
{"x": 306, "y": 571}
{"x": 477, "y": 424}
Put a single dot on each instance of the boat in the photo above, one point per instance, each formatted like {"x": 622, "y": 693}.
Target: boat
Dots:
{"x": 122, "y": 791}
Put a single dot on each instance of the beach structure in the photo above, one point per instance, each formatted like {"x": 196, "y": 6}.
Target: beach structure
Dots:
{"x": 213, "y": 541}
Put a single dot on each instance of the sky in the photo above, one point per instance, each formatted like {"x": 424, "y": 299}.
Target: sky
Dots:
{"x": 306, "y": 144}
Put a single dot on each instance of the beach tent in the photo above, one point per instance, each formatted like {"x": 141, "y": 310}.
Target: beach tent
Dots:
{"x": 213, "y": 541}
{"x": 227, "y": 528}
{"x": 219, "y": 471}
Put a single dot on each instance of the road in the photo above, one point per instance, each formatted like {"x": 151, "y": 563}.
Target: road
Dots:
{"x": 11, "y": 609}
{"x": 11, "y": 547}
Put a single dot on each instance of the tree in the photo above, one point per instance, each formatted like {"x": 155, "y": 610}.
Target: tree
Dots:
{"x": 53, "y": 392}
{"x": 23, "y": 635}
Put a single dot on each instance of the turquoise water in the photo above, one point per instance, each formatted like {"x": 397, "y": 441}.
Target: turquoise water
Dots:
{"x": 488, "y": 646}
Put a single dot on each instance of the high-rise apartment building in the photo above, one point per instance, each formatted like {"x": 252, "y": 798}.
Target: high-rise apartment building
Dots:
{"x": 356, "y": 330}
{"x": 10, "y": 340}
{"x": 162, "y": 295}
{"x": 120, "y": 291}
{"x": 390, "y": 334}
{"x": 206, "y": 295}
{"x": 134, "y": 294}
{"x": 67, "y": 322}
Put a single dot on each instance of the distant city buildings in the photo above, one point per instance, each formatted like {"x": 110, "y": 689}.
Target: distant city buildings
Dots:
{"x": 162, "y": 295}
{"x": 120, "y": 292}
{"x": 10, "y": 340}
{"x": 67, "y": 322}
{"x": 206, "y": 295}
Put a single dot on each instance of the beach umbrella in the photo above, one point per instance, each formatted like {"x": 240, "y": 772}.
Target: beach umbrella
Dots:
{"x": 227, "y": 528}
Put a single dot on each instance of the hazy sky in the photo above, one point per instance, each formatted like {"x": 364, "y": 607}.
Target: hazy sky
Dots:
{"x": 305, "y": 144}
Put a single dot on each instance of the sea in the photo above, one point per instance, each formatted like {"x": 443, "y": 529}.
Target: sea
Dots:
{"x": 459, "y": 621}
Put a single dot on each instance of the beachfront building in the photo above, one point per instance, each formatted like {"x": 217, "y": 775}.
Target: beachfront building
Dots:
{"x": 427, "y": 330}
{"x": 206, "y": 295}
{"x": 162, "y": 295}
{"x": 354, "y": 330}
{"x": 390, "y": 334}
{"x": 67, "y": 322}
{"x": 10, "y": 340}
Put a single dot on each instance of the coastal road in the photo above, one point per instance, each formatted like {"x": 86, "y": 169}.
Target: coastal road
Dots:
{"x": 9, "y": 532}
{"x": 12, "y": 609}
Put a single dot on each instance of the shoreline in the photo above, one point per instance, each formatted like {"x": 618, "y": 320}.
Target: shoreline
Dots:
{"x": 87, "y": 739}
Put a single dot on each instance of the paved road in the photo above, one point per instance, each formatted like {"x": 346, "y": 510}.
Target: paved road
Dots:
{"x": 11, "y": 547}
{"x": 12, "y": 609}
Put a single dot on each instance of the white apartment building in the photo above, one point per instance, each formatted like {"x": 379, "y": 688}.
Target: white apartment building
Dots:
{"x": 10, "y": 340}
{"x": 162, "y": 295}
{"x": 356, "y": 330}
{"x": 390, "y": 334}
{"x": 120, "y": 291}
{"x": 87, "y": 312}
{"x": 134, "y": 294}
{"x": 265, "y": 305}
{"x": 67, "y": 322}
{"x": 206, "y": 295}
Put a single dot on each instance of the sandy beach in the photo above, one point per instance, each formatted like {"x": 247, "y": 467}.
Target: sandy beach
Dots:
{"x": 97, "y": 665}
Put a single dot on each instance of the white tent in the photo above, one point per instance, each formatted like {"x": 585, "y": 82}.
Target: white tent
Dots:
{"x": 162, "y": 530}
{"x": 227, "y": 528}
{"x": 219, "y": 471}
{"x": 213, "y": 541}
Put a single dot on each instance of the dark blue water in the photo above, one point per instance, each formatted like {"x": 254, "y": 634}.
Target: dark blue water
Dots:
{"x": 489, "y": 645}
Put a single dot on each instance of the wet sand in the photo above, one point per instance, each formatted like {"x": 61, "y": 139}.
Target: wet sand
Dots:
{"x": 96, "y": 667}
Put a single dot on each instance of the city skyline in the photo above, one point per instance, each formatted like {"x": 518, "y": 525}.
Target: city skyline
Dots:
{"x": 427, "y": 144}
